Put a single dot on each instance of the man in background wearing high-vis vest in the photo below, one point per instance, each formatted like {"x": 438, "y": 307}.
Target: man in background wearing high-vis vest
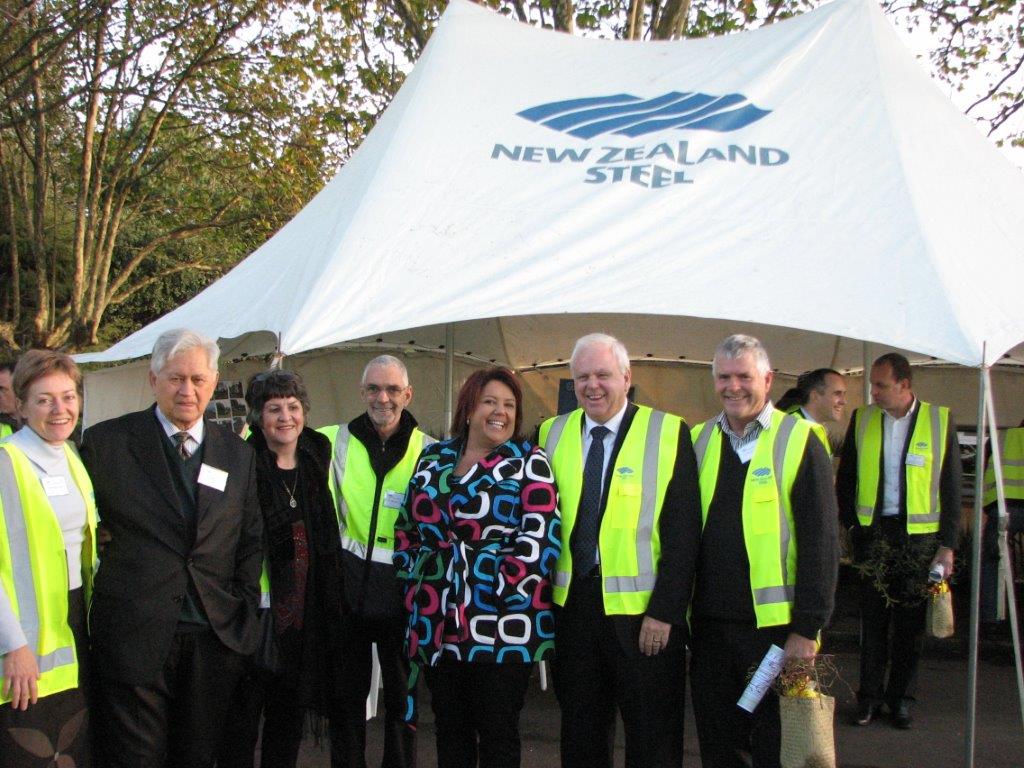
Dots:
{"x": 373, "y": 458}
{"x": 9, "y": 422}
{"x": 765, "y": 570}
{"x": 821, "y": 399}
{"x": 626, "y": 478}
{"x": 1012, "y": 455}
{"x": 898, "y": 486}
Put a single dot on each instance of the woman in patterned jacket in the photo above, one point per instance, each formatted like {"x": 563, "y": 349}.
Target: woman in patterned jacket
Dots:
{"x": 475, "y": 542}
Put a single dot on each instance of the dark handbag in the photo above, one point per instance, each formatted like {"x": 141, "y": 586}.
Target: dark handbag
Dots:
{"x": 266, "y": 657}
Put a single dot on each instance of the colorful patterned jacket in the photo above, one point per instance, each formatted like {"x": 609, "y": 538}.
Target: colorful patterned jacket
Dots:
{"x": 475, "y": 554}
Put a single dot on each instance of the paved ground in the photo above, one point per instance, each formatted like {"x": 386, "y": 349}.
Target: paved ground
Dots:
{"x": 937, "y": 739}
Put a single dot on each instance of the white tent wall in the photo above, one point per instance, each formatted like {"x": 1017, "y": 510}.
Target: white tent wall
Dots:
{"x": 332, "y": 377}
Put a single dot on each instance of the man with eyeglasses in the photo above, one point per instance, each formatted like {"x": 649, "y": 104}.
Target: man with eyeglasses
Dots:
{"x": 373, "y": 458}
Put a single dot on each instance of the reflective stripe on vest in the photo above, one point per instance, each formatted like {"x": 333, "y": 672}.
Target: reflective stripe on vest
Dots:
{"x": 628, "y": 563}
{"x": 921, "y": 479}
{"x": 33, "y": 566}
{"x": 767, "y": 516}
{"x": 264, "y": 586}
{"x": 354, "y": 487}
{"x": 1011, "y": 452}
{"x": 816, "y": 427}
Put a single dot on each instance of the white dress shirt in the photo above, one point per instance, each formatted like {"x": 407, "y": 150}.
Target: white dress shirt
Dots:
{"x": 894, "y": 437}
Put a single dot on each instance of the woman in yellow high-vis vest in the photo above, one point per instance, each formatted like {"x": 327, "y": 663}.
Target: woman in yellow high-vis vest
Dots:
{"x": 47, "y": 560}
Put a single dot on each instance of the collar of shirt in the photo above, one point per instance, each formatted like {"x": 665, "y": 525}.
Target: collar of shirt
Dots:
{"x": 905, "y": 417}
{"x": 48, "y": 457}
{"x": 612, "y": 424}
{"x": 752, "y": 429}
{"x": 808, "y": 416}
{"x": 196, "y": 431}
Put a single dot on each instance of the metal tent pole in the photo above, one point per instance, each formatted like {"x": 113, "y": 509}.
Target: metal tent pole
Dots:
{"x": 449, "y": 376}
{"x": 1004, "y": 553}
{"x": 866, "y": 377}
{"x": 972, "y": 656}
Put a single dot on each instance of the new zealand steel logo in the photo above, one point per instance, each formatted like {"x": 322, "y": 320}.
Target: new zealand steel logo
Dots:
{"x": 599, "y": 120}
{"x": 627, "y": 115}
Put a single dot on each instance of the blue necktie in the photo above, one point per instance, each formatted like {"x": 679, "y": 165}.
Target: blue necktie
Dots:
{"x": 588, "y": 517}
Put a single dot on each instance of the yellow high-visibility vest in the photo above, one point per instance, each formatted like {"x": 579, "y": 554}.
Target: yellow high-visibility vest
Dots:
{"x": 768, "y": 528}
{"x": 34, "y": 568}
{"x": 1012, "y": 453}
{"x": 355, "y": 489}
{"x": 923, "y": 467}
{"x": 629, "y": 540}
{"x": 818, "y": 429}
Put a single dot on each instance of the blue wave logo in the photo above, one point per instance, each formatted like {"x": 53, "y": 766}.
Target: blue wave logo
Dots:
{"x": 628, "y": 115}
{"x": 623, "y": 471}
{"x": 762, "y": 472}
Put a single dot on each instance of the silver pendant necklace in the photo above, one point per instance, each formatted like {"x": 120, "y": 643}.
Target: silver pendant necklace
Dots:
{"x": 291, "y": 491}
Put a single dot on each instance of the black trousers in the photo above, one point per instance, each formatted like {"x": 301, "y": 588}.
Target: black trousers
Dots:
{"x": 722, "y": 655}
{"x": 476, "y": 712}
{"x": 178, "y": 719}
{"x": 261, "y": 696}
{"x": 598, "y": 667}
{"x": 348, "y": 731}
{"x": 891, "y": 639}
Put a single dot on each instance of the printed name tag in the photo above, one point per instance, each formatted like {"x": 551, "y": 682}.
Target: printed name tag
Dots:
{"x": 746, "y": 452}
{"x": 393, "y": 499}
{"x": 213, "y": 477}
{"x": 55, "y": 486}
{"x": 915, "y": 460}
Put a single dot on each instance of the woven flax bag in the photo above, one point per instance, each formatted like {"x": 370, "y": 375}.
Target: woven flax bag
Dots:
{"x": 807, "y": 736}
{"x": 939, "y": 618}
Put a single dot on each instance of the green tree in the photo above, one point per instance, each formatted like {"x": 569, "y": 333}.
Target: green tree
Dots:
{"x": 146, "y": 124}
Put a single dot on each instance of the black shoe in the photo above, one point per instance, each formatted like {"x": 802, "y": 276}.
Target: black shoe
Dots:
{"x": 866, "y": 712}
{"x": 901, "y": 716}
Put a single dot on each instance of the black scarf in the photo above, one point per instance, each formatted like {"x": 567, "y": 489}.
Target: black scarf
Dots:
{"x": 309, "y": 659}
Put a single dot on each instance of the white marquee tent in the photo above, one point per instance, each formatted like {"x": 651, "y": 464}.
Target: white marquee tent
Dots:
{"x": 525, "y": 186}
{"x": 811, "y": 177}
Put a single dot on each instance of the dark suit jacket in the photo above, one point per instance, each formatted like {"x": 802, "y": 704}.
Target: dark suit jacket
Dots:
{"x": 154, "y": 552}
{"x": 949, "y": 487}
{"x": 671, "y": 593}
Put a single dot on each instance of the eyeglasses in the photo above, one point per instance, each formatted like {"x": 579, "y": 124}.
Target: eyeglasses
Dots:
{"x": 391, "y": 390}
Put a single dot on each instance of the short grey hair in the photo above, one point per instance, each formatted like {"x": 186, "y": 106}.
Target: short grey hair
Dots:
{"x": 385, "y": 361}
{"x": 738, "y": 345}
{"x": 174, "y": 342}
{"x": 600, "y": 340}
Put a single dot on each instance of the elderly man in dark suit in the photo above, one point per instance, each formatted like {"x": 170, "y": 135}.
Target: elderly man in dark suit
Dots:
{"x": 174, "y": 604}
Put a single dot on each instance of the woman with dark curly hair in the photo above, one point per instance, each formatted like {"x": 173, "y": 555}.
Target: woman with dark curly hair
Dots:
{"x": 475, "y": 543}
{"x": 297, "y": 668}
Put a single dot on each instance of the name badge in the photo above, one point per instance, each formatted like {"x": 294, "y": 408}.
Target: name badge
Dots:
{"x": 212, "y": 477}
{"x": 55, "y": 486}
{"x": 393, "y": 499}
{"x": 915, "y": 460}
{"x": 746, "y": 452}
